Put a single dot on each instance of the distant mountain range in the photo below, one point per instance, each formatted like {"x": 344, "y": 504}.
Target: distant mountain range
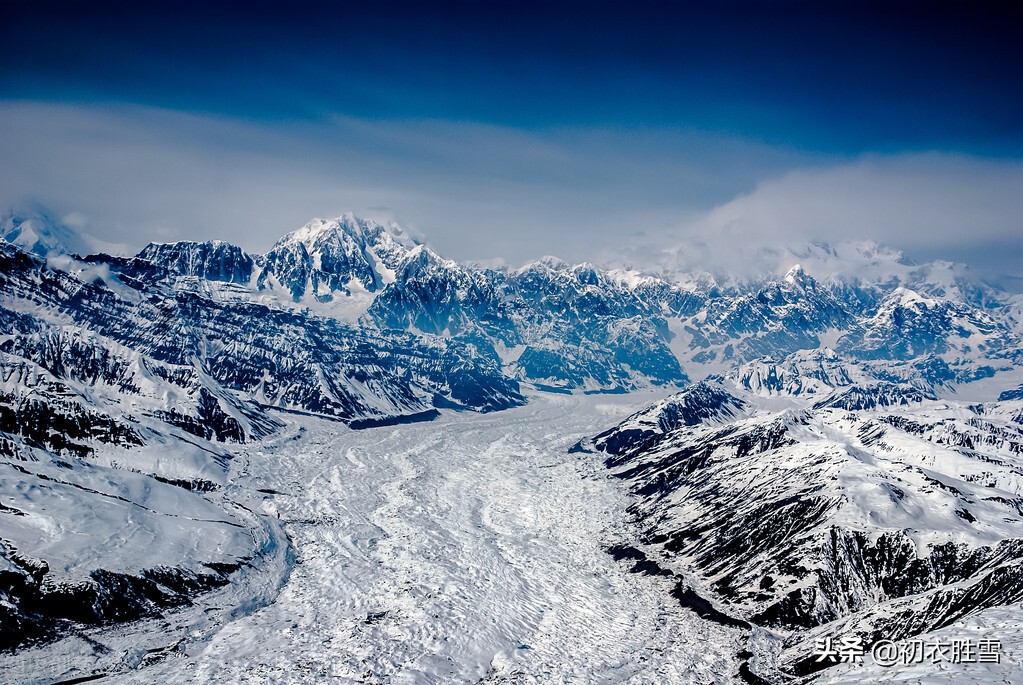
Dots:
{"x": 360, "y": 322}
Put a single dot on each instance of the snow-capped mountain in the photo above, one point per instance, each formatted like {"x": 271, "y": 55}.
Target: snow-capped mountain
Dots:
{"x": 583, "y": 328}
{"x": 860, "y": 265}
{"x": 877, "y": 512}
{"x": 325, "y": 259}
{"x": 802, "y": 373}
{"x": 35, "y": 231}
{"x": 120, "y": 382}
{"x": 549, "y": 323}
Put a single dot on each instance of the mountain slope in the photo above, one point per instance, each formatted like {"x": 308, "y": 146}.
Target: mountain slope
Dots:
{"x": 34, "y": 230}
{"x": 875, "y": 518}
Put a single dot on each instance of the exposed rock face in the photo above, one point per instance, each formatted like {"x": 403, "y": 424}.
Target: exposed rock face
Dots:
{"x": 1015, "y": 394}
{"x": 803, "y": 373}
{"x": 877, "y": 512}
{"x": 222, "y": 362}
{"x": 211, "y": 261}
{"x": 36, "y": 609}
{"x": 570, "y": 328}
{"x": 326, "y": 258}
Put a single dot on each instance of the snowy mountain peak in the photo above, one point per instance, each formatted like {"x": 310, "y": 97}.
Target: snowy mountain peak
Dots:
{"x": 798, "y": 277}
{"x": 907, "y": 298}
{"x": 870, "y": 264}
{"x": 546, "y": 263}
{"x": 37, "y": 232}
{"x": 327, "y": 259}
{"x": 632, "y": 279}
{"x": 345, "y": 228}
{"x": 425, "y": 258}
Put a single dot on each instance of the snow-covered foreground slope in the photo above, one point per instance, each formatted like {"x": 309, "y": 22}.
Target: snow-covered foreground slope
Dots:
{"x": 865, "y": 517}
{"x": 468, "y": 549}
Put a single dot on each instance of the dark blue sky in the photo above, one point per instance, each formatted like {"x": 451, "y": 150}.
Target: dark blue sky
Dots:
{"x": 833, "y": 76}
{"x": 753, "y": 90}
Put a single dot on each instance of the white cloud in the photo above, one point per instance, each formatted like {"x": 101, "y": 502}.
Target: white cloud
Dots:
{"x": 927, "y": 205}
{"x": 477, "y": 191}
{"x": 75, "y": 220}
{"x": 134, "y": 174}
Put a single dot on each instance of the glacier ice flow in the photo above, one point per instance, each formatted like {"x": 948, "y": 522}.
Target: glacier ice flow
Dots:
{"x": 470, "y": 549}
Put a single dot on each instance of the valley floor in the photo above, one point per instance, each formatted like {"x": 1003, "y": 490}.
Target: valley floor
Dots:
{"x": 468, "y": 549}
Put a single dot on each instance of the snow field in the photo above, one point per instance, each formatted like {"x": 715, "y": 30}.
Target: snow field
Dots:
{"x": 470, "y": 549}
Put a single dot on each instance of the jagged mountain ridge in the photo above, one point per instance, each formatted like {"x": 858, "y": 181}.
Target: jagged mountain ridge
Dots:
{"x": 873, "y": 512}
{"x": 547, "y": 317}
{"x": 333, "y": 294}
{"x": 263, "y": 355}
{"x": 563, "y": 327}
